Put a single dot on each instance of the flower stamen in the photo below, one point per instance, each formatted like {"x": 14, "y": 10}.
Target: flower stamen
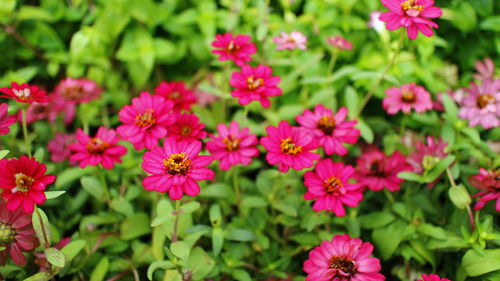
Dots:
{"x": 287, "y": 146}
{"x": 232, "y": 143}
{"x": 146, "y": 119}
{"x": 484, "y": 100}
{"x": 334, "y": 186}
{"x": 177, "y": 164}
{"x": 408, "y": 96}
{"x": 326, "y": 124}
{"x": 96, "y": 146}
{"x": 23, "y": 183}
{"x": 343, "y": 267}
{"x": 253, "y": 83}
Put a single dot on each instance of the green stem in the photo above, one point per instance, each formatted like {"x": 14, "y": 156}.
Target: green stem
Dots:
{"x": 27, "y": 141}
{"x": 104, "y": 184}
{"x": 226, "y": 90}
{"x": 176, "y": 223}
{"x": 389, "y": 195}
{"x": 382, "y": 76}
{"x": 45, "y": 235}
{"x": 236, "y": 183}
{"x": 331, "y": 65}
{"x": 469, "y": 210}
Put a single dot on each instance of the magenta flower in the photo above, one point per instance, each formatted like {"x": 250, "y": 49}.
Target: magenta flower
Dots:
{"x": 482, "y": 105}
{"x": 59, "y": 147}
{"x": 406, "y": 98}
{"x": 39, "y": 111}
{"x": 485, "y": 70}
{"x": 329, "y": 185}
{"x": 16, "y": 235}
{"x": 187, "y": 127}
{"x": 432, "y": 277}
{"x": 426, "y": 156}
{"x": 76, "y": 91}
{"x": 23, "y": 181}
{"x": 146, "y": 120}
{"x": 255, "y": 84}
{"x": 24, "y": 93}
{"x": 343, "y": 259}
{"x": 330, "y": 130}
{"x": 411, "y": 14}
{"x": 289, "y": 147}
{"x": 5, "y": 119}
{"x": 339, "y": 43}
{"x": 176, "y": 92}
{"x": 377, "y": 171}
{"x": 292, "y": 41}
{"x": 489, "y": 182}
{"x": 175, "y": 168}
{"x": 233, "y": 146}
{"x": 237, "y": 48}
{"x": 101, "y": 149}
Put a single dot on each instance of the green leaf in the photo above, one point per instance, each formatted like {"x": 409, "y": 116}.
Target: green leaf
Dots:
{"x": 491, "y": 23}
{"x": 351, "y": 101}
{"x": 439, "y": 168}
{"x": 34, "y": 13}
{"x": 200, "y": 263}
{"x": 73, "y": 248}
{"x": 481, "y": 262}
{"x": 388, "y": 238}
{"x": 100, "y": 271}
{"x": 122, "y": 206}
{"x": 240, "y": 235}
{"x": 41, "y": 276}
{"x": 450, "y": 108}
{"x": 376, "y": 219}
{"x": 42, "y": 227}
{"x": 217, "y": 240}
{"x": 253, "y": 202}
{"x": 433, "y": 231}
{"x": 410, "y": 176}
{"x": 53, "y": 194}
{"x": 464, "y": 17}
{"x": 459, "y": 196}
{"x": 366, "y": 131}
{"x": 159, "y": 265}
{"x": 93, "y": 187}
{"x": 135, "y": 226}
{"x": 7, "y": 7}
{"x": 55, "y": 257}
{"x": 3, "y": 153}
{"x": 241, "y": 275}
{"x": 180, "y": 249}
{"x": 215, "y": 215}
{"x": 68, "y": 175}
{"x": 190, "y": 207}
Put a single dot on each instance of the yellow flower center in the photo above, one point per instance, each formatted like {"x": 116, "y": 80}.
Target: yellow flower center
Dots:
{"x": 411, "y": 5}
{"x": 23, "y": 183}
{"x": 96, "y": 146}
{"x": 232, "y": 143}
{"x": 253, "y": 83}
{"x": 7, "y": 234}
{"x": 177, "y": 164}
{"x": 232, "y": 48}
{"x": 326, "y": 124}
{"x": 146, "y": 119}
{"x": 484, "y": 100}
{"x": 23, "y": 94}
{"x": 332, "y": 185}
{"x": 287, "y": 146}
{"x": 345, "y": 264}
{"x": 408, "y": 96}
{"x": 185, "y": 131}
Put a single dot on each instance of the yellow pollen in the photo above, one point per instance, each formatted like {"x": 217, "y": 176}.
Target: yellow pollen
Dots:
{"x": 185, "y": 131}
{"x": 332, "y": 185}
{"x": 232, "y": 143}
{"x": 484, "y": 100}
{"x": 288, "y": 147}
{"x": 7, "y": 234}
{"x": 146, "y": 119}
{"x": 177, "y": 164}
{"x": 408, "y": 96}
{"x": 326, "y": 124}
{"x": 253, "y": 84}
{"x": 232, "y": 48}
{"x": 23, "y": 182}
{"x": 96, "y": 146}
{"x": 411, "y": 5}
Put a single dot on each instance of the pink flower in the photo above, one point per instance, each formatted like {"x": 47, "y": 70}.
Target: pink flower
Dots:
{"x": 41, "y": 259}
{"x": 24, "y": 93}
{"x": 456, "y": 95}
{"x": 377, "y": 171}
{"x": 255, "y": 84}
{"x": 485, "y": 70}
{"x": 482, "y": 105}
{"x": 146, "y": 120}
{"x": 5, "y": 119}
{"x": 176, "y": 167}
{"x": 426, "y": 156}
{"x": 176, "y": 92}
{"x": 23, "y": 181}
{"x": 339, "y": 43}
{"x": 411, "y": 14}
{"x": 101, "y": 149}
{"x": 76, "y": 91}
{"x": 187, "y": 127}
{"x": 16, "y": 235}
{"x": 289, "y": 147}
{"x": 375, "y": 22}
{"x": 294, "y": 40}
{"x": 329, "y": 185}
{"x": 406, "y": 98}
{"x": 233, "y": 146}
{"x": 330, "y": 130}
{"x": 204, "y": 98}
{"x": 58, "y": 147}
{"x": 236, "y": 48}
{"x": 343, "y": 258}
{"x": 432, "y": 277}
{"x": 489, "y": 182}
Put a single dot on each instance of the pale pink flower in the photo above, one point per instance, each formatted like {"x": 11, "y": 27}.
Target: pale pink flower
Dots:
{"x": 339, "y": 43}
{"x": 294, "y": 40}
{"x": 408, "y": 97}
{"x": 482, "y": 105}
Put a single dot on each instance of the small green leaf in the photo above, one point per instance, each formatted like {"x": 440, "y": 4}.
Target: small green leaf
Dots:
{"x": 386, "y": 246}
{"x": 159, "y": 265}
{"x": 376, "y": 219}
{"x": 41, "y": 276}
{"x": 410, "y": 176}
{"x": 55, "y": 257}
{"x": 53, "y": 194}
{"x": 366, "y": 131}
{"x": 100, "y": 270}
{"x": 190, "y": 207}
{"x": 241, "y": 275}
{"x": 135, "y": 226}
{"x": 215, "y": 214}
{"x": 200, "y": 263}
{"x": 478, "y": 263}
{"x": 93, "y": 187}
{"x": 459, "y": 196}
{"x": 71, "y": 250}
{"x": 217, "y": 240}
{"x": 180, "y": 249}
{"x": 42, "y": 227}
{"x": 3, "y": 153}
{"x": 240, "y": 235}
{"x": 439, "y": 168}
{"x": 71, "y": 174}
{"x": 253, "y": 202}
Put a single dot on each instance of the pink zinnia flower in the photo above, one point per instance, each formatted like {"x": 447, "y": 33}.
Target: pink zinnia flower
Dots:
{"x": 432, "y": 277}
{"x": 176, "y": 92}
{"x": 343, "y": 258}
{"x": 58, "y": 147}
{"x": 329, "y": 185}
{"x": 377, "y": 171}
{"x": 41, "y": 259}
{"x": 77, "y": 91}
{"x": 16, "y": 235}
{"x": 101, "y": 149}
{"x": 237, "y": 48}
{"x": 255, "y": 84}
{"x": 406, "y": 98}
{"x": 289, "y": 147}
{"x": 482, "y": 105}
{"x": 146, "y": 120}
{"x": 456, "y": 95}
{"x": 294, "y": 40}
{"x": 411, "y": 14}
{"x": 485, "y": 70}
{"x": 187, "y": 127}
{"x": 175, "y": 168}
{"x": 489, "y": 182}
{"x": 23, "y": 181}
{"x": 339, "y": 43}
{"x": 24, "y": 93}
{"x": 233, "y": 146}
{"x": 5, "y": 119}
{"x": 330, "y": 130}
{"x": 426, "y": 156}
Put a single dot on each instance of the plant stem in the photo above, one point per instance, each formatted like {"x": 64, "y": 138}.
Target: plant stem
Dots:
{"x": 176, "y": 223}
{"x": 469, "y": 210}
{"x": 27, "y": 141}
{"x": 389, "y": 195}
{"x": 102, "y": 177}
{"x": 382, "y": 76}
{"x": 46, "y": 245}
{"x": 333, "y": 60}
{"x": 236, "y": 183}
